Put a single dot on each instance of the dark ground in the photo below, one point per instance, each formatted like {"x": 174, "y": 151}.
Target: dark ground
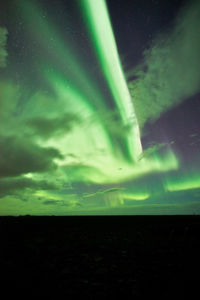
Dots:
{"x": 93, "y": 257}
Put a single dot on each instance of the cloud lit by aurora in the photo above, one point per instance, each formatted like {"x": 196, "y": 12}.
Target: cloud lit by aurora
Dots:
{"x": 172, "y": 55}
{"x": 60, "y": 150}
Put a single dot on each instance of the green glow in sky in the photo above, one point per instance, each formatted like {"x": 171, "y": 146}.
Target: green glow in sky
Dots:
{"x": 182, "y": 182}
{"x": 105, "y": 45}
{"x": 69, "y": 139}
{"x": 136, "y": 197}
{"x": 59, "y": 52}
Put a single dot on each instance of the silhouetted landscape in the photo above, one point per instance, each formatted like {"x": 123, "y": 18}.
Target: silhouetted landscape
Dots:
{"x": 100, "y": 256}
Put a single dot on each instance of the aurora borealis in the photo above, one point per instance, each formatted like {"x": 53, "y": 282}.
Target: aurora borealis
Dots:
{"x": 88, "y": 129}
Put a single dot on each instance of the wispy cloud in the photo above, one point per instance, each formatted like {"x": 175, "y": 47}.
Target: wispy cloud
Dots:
{"x": 170, "y": 71}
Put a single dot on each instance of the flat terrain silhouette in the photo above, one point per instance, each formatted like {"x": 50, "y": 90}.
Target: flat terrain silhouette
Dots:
{"x": 100, "y": 256}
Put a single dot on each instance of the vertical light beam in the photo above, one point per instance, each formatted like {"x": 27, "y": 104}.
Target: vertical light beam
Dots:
{"x": 101, "y": 30}
{"x": 59, "y": 53}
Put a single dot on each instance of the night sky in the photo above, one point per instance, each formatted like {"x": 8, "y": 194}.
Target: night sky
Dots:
{"x": 99, "y": 107}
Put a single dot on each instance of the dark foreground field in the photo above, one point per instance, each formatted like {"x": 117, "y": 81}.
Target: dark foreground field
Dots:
{"x": 97, "y": 257}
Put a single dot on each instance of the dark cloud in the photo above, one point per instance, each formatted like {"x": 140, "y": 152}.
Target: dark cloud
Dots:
{"x": 3, "y": 52}
{"x": 115, "y": 126}
{"x": 47, "y": 127}
{"x": 111, "y": 120}
{"x": 20, "y": 156}
{"x": 60, "y": 203}
{"x": 51, "y": 202}
{"x": 13, "y": 186}
{"x": 114, "y": 189}
{"x": 9, "y": 98}
{"x": 104, "y": 192}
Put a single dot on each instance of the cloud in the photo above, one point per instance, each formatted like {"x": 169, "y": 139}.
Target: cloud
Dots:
{"x": 104, "y": 192}
{"x": 20, "y": 152}
{"x": 52, "y": 202}
{"x": 9, "y": 98}
{"x": 170, "y": 71}
{"x": 3, "y": 52}
{"x": 114, "y": 189}
{"x": 62, "y": 203}
{"x": 26, "y": 111}
{"x": 20, "y": 156}
{"x": 81, "y": 172}
{"x": 112, "y": 121}
{"x": 46, "y": 127}
{"x": 13, "y": 186}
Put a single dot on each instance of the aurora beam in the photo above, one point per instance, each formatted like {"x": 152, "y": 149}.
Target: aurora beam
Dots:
{"x": 101, "y": 30}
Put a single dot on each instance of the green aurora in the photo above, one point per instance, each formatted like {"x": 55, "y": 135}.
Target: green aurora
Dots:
{"x": 71, "y": 142}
